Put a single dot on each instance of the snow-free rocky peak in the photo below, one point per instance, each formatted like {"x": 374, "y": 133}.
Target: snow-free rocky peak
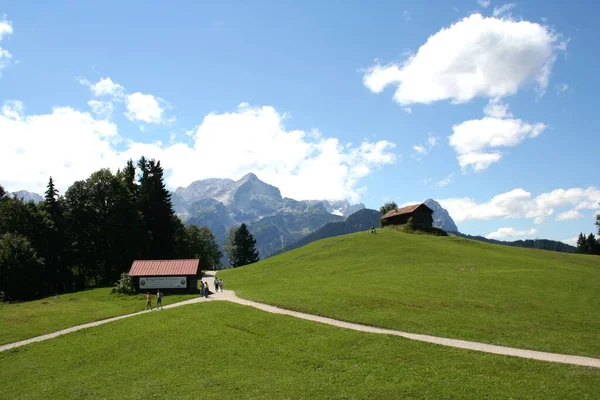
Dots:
{"x": 441, "y": 216}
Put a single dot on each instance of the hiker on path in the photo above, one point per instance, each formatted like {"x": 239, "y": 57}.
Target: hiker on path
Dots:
{"x": 201, "y": 288}
{"x": 206, "y": 290}
{"x": 159, "y": 297}
{"x": 216, "y": 285}
{"x": 221, "y": 284}
{"x": 148, "y": 301}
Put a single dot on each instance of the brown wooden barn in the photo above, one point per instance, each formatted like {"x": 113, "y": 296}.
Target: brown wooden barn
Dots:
{"x": 422, "y": 216}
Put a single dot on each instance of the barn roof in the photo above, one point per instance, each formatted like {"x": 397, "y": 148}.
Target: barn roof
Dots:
{"x": 164, "y": 267}
{"x": 405, "y": 210}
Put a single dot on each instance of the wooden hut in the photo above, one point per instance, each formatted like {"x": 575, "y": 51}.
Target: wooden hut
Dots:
{"x": 422, "y": 216}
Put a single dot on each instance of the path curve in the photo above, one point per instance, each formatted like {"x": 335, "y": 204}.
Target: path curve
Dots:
{"x": 229, "y": 295}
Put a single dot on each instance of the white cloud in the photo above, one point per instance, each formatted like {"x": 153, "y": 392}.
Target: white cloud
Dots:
{"x": 503, "y": 10}
{"x": 139, "y": 106}
{"x": 423, "y": 150}
{"x": 432, "y": 141}
{"x": 406, "y": 15}
{"x": 510, "y": 232}
{"x": 144, "y": 107}
{"x": 572, "y": 241}
{"x": 476, "y": 56}
{"x": 13, "y": 109}
{"x": 67, "y": 144}
{"x": 407, "y": 110}
{"x": 519, "y": 203}
{"x": 495, "y": 108}
{"x": 420, "y": 150}
{"x": 484, "y": 3}
{"x": 5, "y": 56}
{"x": 102, "y": 109}
{"x": 226, "y": 145}
{"x": 105, "y": 87}
{"x": 446, "y": 181}
{"x": 476, "y": 141}
{"x": 569, "y": 215}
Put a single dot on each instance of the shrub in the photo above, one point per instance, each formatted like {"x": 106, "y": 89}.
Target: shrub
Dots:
{"x": 410, "y": 228}
{"x": 124, "y": 285}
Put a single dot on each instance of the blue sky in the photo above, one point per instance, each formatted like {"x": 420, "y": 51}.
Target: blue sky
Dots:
{"x": 487, "y": 107}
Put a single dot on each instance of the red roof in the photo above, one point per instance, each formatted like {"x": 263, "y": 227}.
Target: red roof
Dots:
{"x": 405, "y": 210}
{"x": 164, "y": 267}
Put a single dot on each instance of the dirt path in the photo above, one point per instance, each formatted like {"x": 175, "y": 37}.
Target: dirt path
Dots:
{"x": 230, "y": 296}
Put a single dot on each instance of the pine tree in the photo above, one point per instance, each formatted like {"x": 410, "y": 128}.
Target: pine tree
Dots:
{"x": 241, "y": 247}
{"x": 154, "y": 202}
{"x": 57, "y": 273}
{"x": 592, "y": 244}
{"x": 582, "y": 244}
{"x": 128, "y": 176}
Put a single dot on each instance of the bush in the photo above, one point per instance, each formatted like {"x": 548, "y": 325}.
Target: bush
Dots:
{"x": 124, "y": 285}
{"x": 410, "y": 228}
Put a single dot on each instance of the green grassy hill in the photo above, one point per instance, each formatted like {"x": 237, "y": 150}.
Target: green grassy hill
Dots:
{"x": 446, "y": 286}
{"x": 220, "y": 350}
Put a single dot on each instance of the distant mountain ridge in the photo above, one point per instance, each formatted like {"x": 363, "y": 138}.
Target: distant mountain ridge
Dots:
{"x": 26, "y": 196}
{"x": 366, "y": 218}
{"x": 441, "y": 216}
{"x": 275, "y": 221}
{"x": 280, "y": 224}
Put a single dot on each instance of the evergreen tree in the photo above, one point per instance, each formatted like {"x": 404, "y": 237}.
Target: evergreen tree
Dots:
{"x": 582, "y": 244}
{"x": 128, "y": 177}
{"x": 387, "y": 207}
{"x": 241, "y": 247}
{"x": 59, "y": 275}
{"x": 81, "y": 228}
{"x": 592, "y": 244}
{"x": 154, "y": 202}
{"x": 2, "y": 192}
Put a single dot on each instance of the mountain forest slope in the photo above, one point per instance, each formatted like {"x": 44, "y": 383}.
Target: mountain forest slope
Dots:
{"x": 445, "y": 286}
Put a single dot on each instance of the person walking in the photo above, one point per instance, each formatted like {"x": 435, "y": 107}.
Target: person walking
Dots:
{"x": 216, "y": 285}
{"x": 201, "y": 288}
{"x": 148, "y": 301}
{"x": 221, "y": 284}
{"x": 159, "y": 297}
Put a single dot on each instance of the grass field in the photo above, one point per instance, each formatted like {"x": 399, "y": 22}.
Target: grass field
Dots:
{"x": 29, "y": 319}
{"x": 444, "y": 286}
{"x": 221, "y": 350}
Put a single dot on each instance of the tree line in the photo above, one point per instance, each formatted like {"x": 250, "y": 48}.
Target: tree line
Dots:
{"x": 589, "y": 244}
{"x": 91, "y": 234}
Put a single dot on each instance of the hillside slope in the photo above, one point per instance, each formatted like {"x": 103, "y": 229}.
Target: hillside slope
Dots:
{"x": 359, "y": 221}
{"x": 446, "y": 286}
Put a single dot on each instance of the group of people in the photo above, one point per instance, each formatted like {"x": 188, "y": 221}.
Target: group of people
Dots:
{"x": 204, "y": 291}
{"x": 159, "y": 297}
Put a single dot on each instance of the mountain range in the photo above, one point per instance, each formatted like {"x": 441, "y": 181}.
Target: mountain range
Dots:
{"x": 275, "y": 221}
{"x": 279, "y": 223}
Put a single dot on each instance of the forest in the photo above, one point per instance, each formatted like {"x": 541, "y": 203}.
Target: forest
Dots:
{"x": 90, "y": 235}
